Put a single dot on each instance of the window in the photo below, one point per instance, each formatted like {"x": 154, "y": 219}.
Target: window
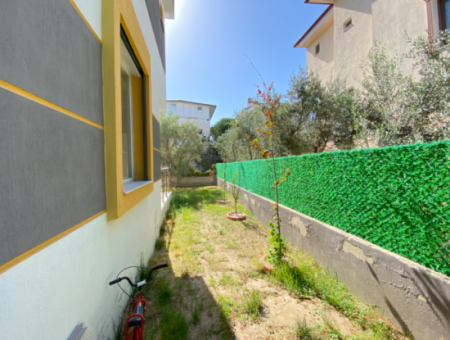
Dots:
{"x": 199, "y": 108}
{"x": 200, "y": 131}
{"x": 133, "y": 157}
{"x": 129, "y": 152}
{"x": 444, "y": 14}
{"x": 317, "y": 49}
{"x": 173, "y": 108}
{"x": 348, "y": 24}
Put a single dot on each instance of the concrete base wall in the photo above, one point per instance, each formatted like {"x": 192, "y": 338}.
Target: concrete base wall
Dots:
{"x": 415, "y": 298}
{"x": 194, "y": 182}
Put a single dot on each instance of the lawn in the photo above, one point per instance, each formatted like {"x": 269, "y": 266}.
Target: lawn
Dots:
{"x": 216, "y": 287}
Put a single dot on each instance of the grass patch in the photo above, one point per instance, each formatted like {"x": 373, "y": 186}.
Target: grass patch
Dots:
{"x": 196, "y": 316}
{"x": 304, "y": 332}
{"x": 253, "y": 304}
{"x": 309, "y": 279}
{"x": 164, "y": 293}
{"x": 173, "y": 326}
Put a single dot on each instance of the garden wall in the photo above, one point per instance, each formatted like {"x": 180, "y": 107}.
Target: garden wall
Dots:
{"x": 413, "y": 297}
{"x": 194, "y": 181}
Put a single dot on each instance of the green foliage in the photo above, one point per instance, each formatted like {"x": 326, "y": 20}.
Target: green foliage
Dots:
{"x": 173, "y": 326}
{"x": 180, "y": 144}
{"x": 220, "y": 127}
{"x": 276, "y": 253}
{"x": 396, "y": 197}
{"x": 394, "y": 107}
{"x": 163, "y": 293}
{"x": 303, "y": 331}
{"x": 253, "y": 304}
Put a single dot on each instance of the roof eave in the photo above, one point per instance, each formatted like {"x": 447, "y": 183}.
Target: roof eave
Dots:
{"x": 318, "y": 23}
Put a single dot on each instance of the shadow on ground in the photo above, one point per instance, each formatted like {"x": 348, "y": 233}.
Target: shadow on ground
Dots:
{"x": 180, "y": 306}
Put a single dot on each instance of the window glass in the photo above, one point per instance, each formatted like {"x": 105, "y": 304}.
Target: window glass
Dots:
{"x": 173, "y": 108}
{"x": 128, "y": 70}
{"x": 445, "y": 14}
{"x": 126, "y": 125}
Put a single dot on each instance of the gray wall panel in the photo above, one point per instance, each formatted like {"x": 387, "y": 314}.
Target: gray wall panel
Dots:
{"x": 52, "y": 174}
{"x": 156, "y": 135}
{"x": 156, "y": 165}
{"x": 158, "y": 29}
{"x": 48, "y": 50}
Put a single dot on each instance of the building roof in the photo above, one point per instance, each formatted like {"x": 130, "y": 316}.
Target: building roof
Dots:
{"x": 212, "y": 108}
{"x": 325, "y": 16}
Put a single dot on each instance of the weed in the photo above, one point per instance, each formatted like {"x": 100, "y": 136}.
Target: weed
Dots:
{"x": 253, "y": 304}
{"x": 173, "y": 326}
{"x": 185, "y": 272}
{"x": 330, "y": 330}
{"x": 163, "y": 293}
{"x": 212, "y": 282}
{"x": 226, "y": 280}
{"x": 209, "y": 248}
{"x": 195, "y": 316}
{"x": 160, "y": 243}
{"x": 303, "y": 331}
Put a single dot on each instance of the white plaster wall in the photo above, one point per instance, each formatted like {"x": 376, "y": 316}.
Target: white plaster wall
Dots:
{"x": 65, "y": 284}
{"x": 323, "y": 63}
{"x": 392, "y": 19}
{"x": 92, "y": 12}
{"x": 352, "y": 45}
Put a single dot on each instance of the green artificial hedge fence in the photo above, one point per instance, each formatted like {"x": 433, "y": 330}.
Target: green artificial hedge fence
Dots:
{"x": 396, "y": 197}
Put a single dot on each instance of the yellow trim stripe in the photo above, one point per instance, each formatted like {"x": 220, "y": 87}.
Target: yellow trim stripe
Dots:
{"x": 155, "y": 117}
{"x": 82, "y": 17}
{"x": 30, "y": 96}
{"x": 44, "y": 245}
{"x": 156, "y": 149}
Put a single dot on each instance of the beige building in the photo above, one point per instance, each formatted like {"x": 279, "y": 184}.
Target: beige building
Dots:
{"x": 344, "y": 34}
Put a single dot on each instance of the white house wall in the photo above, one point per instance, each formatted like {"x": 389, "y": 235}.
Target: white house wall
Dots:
{"x": 393, "y": 19}
{"x": 353, "y": 44}
{"x": 67, "y": 282}
{"x": 190, "y": 112}
{"x": 323, "y": 63}
{"x": 92, "y": 12}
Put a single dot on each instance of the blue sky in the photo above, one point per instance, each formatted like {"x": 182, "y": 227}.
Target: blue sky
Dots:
{"x": 206, "y": 43}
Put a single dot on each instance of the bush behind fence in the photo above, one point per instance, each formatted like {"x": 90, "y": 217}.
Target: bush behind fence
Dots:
{"x": 395, "y": 197}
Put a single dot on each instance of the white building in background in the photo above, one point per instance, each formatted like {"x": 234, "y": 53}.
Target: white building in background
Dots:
{"x": 198, "y": 113}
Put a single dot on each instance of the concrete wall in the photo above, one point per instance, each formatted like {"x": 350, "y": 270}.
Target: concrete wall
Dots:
{"x": 194, "y": 181}
{"x": 413, "y": 297}
{"x": 67, "y": 283}
{"x": 323, "y": 63}
{"x": 353, "y": 44}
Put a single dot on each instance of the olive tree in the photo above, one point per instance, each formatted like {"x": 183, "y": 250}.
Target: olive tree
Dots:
{"x": 181, "y": 144}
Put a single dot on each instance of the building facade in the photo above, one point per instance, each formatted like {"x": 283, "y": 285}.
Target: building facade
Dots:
{"x": 82, "y": 83}
{"x": 198, "y": 113}
{"x": 344, "y": 34}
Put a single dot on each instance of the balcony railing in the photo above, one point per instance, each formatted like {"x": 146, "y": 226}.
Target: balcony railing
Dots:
{"x": 166, "y": 183}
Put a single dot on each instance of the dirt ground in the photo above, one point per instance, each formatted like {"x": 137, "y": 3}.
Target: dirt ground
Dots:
{"x": 219, "y": 286}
